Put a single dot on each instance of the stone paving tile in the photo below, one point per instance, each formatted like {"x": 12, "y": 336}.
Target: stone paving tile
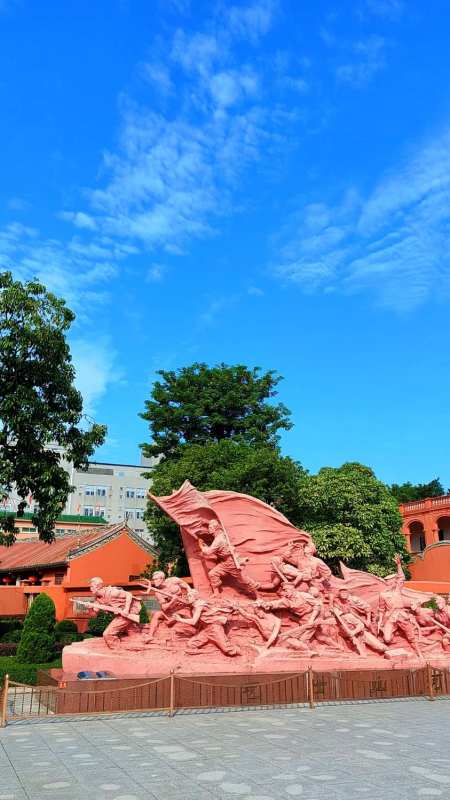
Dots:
{"x": 383, "y": 751}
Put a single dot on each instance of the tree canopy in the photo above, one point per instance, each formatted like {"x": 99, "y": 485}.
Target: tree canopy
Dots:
{"x": 353, "y": 517}
{"x": 199, "y": 404}
{"x": 232, "y": 465}
{"x": 39, "y": 404}
{"x": 407, "y": 492}
{"x": 37, "y": 642}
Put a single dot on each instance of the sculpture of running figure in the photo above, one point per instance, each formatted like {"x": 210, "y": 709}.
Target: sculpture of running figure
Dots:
{"x": 228, "y": 563}
{"x": 397, "y": 612}
{"x": 171, "y": 594}
{"x": 122, "y": 604}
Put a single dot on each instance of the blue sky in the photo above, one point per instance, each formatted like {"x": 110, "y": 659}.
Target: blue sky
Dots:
{"x": 264, "y": 182}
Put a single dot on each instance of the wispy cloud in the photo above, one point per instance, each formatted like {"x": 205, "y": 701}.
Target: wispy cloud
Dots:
{"x": 252, "y": 21}
{"x": 96, "y": 370}
{"x": 74, "y": 270}
{"x": 170, "y": 178}
{"x": 156, "y": 273}
{"x": 393, "y": 243}
{"x": 367, "y": 58}
{"x": 390, "y": 9}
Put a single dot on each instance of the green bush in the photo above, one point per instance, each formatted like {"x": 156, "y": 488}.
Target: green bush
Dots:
{"x": 143, "y": 615}
{"x": 22, "y": 673}
{"x": 66, "y": 626}
{"x": 97, "y": 624}
{"x": 12, "y": 636}
{"x": 37, "y": 643}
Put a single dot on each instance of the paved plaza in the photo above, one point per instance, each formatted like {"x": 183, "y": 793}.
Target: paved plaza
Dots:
{"x": 377, "y": 751}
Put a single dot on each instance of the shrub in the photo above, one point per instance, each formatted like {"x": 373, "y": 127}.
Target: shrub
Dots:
{"x": 68, "y": 638}
{"x": 65, "y": 627}
{"x": 143, "y": 615}
{"x": 97, "y": 624}
{"x": 37, "y": 644}
{"x": 12, "y": 636}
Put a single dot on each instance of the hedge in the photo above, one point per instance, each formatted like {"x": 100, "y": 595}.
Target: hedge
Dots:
{"x": 22, "y": 673}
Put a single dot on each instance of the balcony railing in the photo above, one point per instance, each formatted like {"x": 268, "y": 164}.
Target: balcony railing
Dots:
{"x": 426, "y": 505}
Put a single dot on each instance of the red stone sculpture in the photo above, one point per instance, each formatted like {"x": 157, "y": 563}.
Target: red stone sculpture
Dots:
{"x": 261, "y": 601}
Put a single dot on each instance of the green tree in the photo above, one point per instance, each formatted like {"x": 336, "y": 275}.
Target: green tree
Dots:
{"x": 37, "y": 643}
{"x": 407, "y": 492}
{"x": 353, "y": 517}
{"x": 201, "y": 404}
{"x": 143, "y": 615}
{"x": 231, "y": 465}
{"x": 39, "y": 403}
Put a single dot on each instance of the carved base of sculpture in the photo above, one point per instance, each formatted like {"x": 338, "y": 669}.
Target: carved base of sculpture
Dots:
{"x": 262, "y": 602}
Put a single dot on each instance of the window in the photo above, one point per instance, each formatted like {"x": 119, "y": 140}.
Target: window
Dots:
{"x": 139, "y": 512}
{"x": 101, "y": 491}
{"x": 88, "y": 511}
{"x": 59, "y": 577}
{"x": 130, "y": 493}
{"x": 140, "y": 494}
{"x": 89, "y": 491}
{"x": 129, "y": 513}
{"x": 99, "y": 512}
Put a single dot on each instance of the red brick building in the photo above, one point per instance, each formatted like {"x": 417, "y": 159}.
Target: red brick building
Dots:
{"x": 64, "y": 568}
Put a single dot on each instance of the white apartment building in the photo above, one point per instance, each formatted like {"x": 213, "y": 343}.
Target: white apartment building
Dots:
{"x": 115, "y": 492}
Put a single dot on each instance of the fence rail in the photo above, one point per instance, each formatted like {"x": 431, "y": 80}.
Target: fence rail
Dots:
{"x": 173, "y": 692}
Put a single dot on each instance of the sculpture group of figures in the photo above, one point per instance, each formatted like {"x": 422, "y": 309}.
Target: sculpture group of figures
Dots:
{"x": 289, "y": 604}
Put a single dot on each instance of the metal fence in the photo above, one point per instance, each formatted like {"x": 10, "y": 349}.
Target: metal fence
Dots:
{"x": 174, "y": 692}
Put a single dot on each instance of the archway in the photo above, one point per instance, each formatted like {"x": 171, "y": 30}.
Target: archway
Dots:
{"x": 443, "y": 525}
{"x": 417, "y": 537}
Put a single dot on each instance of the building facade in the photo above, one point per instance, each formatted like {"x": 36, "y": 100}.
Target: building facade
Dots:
{"x": 113, "y": 492}
{"x": 64, "y": 568}
{"x": 426, "y": 526}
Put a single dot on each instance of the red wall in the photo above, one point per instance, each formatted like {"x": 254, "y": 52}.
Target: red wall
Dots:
{"x": 12, "y": 601}
{"x": 114, "y": 562}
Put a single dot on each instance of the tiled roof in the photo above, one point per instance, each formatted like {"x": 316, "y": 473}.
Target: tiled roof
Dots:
{"x": 28, "y": 555}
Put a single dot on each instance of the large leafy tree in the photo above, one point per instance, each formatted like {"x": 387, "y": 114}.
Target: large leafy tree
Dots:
{"x": 406, "y": 492}
{"x": 199, "y": 404}
{"x": 232, "y": 465}
{"x": 353, "y": 517}
{"x": 39, "y": 403}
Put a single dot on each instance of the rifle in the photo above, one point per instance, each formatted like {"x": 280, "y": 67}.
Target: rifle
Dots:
{"x": 103, "y": 607}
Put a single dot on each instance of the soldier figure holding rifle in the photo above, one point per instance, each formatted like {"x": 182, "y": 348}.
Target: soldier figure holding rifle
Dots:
{"x": 122, "y": 604}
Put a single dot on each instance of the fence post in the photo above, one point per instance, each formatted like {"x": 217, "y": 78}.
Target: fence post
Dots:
{"x": 310, "y": 687}
{"x": 430, "y": 682}
{"x": 4, "y": 702}
{"x": 172, "y": 694}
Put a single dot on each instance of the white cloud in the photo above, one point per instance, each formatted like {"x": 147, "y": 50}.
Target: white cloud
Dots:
{"x": 229, "y": 87}
{"x": 79, "y": 219}
{"x": 368, "y": 59}
{"x": 393, "y": 243}
{"x": 252, "y": 21}
{"x": 72, "y": 270}
{"x": 196, "y": 53}
{"x": 159, "y": 76}
{"x": 94, "y": 361}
